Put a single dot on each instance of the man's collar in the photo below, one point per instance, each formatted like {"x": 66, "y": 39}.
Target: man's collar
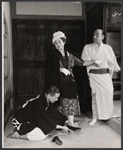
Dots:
{"x": 98, "y": 45}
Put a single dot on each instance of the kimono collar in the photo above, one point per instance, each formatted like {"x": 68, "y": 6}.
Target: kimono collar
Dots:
{"x": 98, "y": 45}
{"x": 99, "y": 52}
{"x": 64, "y": 60}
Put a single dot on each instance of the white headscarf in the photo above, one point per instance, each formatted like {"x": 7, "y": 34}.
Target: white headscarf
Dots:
{"x": 58, "y": 35}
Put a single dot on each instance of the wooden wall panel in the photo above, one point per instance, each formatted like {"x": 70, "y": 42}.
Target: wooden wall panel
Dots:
{"x": 31, "y": 81}
{"x": 94, "y": 20}
{"x": 30, "y": 52}
{"x": 32, "y": 46}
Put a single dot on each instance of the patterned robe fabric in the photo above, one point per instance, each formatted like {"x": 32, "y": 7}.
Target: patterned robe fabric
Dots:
{"x": 55, "y": 61}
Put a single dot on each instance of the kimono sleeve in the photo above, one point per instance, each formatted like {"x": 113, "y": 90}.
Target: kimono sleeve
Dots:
{"x": 78, "y": 62}
{"x": 52, "y": 76}
{"x": 74, "y": 60}
{"x": 42, "y": 120}
{"x": 85, "y": 55}
{"x": 113, "y": 61}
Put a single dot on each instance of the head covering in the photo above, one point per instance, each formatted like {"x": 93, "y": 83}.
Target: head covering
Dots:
{"x": 58, "y": 35}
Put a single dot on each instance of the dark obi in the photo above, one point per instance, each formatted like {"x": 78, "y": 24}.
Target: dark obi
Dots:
{"x": 68, "y": 87}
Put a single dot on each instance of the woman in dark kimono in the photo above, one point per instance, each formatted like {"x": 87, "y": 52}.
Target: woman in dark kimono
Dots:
{"x": 60, "y": 63}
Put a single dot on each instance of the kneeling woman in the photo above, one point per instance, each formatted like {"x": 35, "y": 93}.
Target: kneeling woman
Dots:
{"x": 60, "y": 63}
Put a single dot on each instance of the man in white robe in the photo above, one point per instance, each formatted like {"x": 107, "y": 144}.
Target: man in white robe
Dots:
{"x": 100, "y": 76}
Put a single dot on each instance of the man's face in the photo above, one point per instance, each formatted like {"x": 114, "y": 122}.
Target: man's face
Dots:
{"x": 53, "y": 98}
{"x": 98, "y": 37}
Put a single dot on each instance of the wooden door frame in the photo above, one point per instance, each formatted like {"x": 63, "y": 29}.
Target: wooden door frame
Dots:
{"x": 47, "y": 17}
{"x": 16, "y": 63}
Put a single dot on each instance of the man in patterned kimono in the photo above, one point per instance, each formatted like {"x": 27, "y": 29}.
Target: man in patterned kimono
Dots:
{"x": 100, "y": 76}
{"x": 38, "y": 117}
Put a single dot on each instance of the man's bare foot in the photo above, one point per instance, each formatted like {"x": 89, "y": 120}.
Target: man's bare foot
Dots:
{"x": 93, "y": 122}
{"x": 14, "y": 135}
{"x": 114, "y": 116}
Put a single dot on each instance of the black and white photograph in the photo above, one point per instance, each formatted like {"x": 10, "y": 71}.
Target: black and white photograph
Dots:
{"x": 61, "y": 74}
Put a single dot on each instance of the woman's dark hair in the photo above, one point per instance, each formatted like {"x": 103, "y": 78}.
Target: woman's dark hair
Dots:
{"x": 52, "y": 90}
{"x": 63, "y": 39}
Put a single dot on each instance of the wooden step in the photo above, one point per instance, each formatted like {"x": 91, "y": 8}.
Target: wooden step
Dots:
{"x": 117, "y": 94}
{"x": 117, "y": 89}
{"x": 117, "y": 84}
{"x": 115, "y": 124}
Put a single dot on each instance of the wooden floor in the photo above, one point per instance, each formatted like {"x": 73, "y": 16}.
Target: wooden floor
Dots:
{"x": 115, "y": 123}
{"x": 100, "y": 135}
